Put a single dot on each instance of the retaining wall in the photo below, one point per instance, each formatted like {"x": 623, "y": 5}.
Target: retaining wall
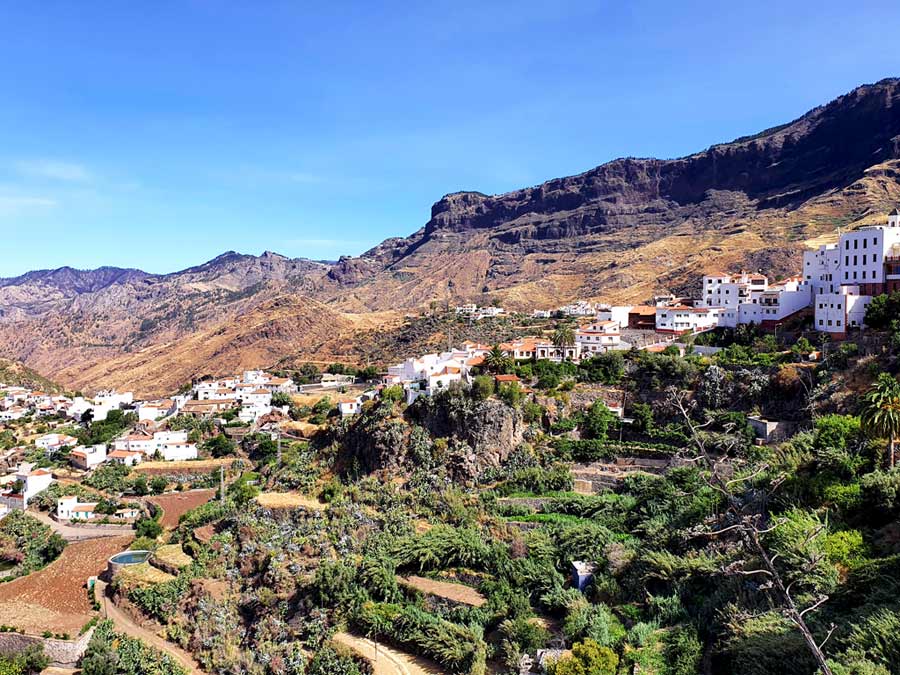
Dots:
{"x": 62, "y": 653}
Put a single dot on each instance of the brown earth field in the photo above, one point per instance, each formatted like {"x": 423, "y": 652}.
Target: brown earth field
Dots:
{"x": 188, "y": 466}
{"x": 55, "y": 598}
{"x": 443, "y": 589}
{"x": 176, "y": 504}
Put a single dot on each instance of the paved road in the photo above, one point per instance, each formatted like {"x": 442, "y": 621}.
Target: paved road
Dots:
{"x": 385, "y": 660}
{"x": 125, "y": 624}
{"x": 70, "y": 533}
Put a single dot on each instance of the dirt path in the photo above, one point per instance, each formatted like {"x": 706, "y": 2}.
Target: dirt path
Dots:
{"x": 55, "y": 598}
{"x": 386, "y": 660}
{"x": 70, "y": 533}
{"x": 125, "y": 624}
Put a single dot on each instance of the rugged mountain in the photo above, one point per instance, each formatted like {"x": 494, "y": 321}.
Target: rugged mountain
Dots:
{"x": 17, "y": 375}
{"x": 600, "y": 232}
{"x": 621, "y": 232}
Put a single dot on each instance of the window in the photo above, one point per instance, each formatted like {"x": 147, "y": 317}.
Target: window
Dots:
{"x": 855, "y": 244}
{"x": 865, "y": 243}
{"x": 864, "y": 258}
{"x": 838, "y": 322}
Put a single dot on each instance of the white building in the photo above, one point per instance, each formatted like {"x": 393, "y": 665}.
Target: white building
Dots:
{"x": 579, "y": 308}
{"x": 598, "y": 337}
{"x": 176, "y": 451}
{"x": 836, "y": 312}
{"x": 69, "y": 508}
{"x": 88, "y": 457}
{"x": 150, "y": 411}
{"x": 844, "y": 277}
{"x": 24, "y": 484}
{"x": 126, "y": 457}
{"x": 615, "y": 313}
{"x": 136, "y": 441}
{"x": 51, "y": 443}
{"x": 730, "y": 290}
{"x": 680, "y": 319}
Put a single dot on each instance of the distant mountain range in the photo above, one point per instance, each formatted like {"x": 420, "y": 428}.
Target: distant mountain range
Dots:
{"x": 619, "y": 232}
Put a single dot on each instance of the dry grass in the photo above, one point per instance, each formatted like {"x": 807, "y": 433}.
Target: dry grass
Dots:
{"x": 465, "y": 595}
{"x": 142, "y": 574}
{"x": 172, "y": 556}
{"x": 187, "y": 466}
{"x": 288, "y": 500}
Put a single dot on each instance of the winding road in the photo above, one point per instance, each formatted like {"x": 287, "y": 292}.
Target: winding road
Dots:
{"x": 82, "y": 532}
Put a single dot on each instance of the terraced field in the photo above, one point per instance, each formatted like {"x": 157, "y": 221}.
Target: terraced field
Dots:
{"x": 55, "y": 598}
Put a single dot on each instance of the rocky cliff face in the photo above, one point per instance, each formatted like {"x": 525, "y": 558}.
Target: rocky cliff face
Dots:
{"x": 566, "y": 234}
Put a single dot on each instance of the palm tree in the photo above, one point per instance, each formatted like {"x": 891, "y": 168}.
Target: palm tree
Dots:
{"x": 880, "y": 414}
{"x": 563, "y": 337}
{"x": 496, "y": 361}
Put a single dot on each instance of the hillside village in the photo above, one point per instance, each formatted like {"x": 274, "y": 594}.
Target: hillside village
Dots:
{"x": 511, "y": 507}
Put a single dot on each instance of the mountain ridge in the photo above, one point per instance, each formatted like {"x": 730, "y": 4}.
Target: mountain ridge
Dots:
{"x": 620, "y": 232}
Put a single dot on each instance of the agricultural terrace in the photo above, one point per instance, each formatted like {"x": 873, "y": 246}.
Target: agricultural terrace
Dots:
{"x": 55, "y": 598}
{"x": 176, "y": 504}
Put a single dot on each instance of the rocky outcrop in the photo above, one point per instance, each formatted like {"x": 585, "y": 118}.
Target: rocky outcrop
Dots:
{"x": 449, "y": 431}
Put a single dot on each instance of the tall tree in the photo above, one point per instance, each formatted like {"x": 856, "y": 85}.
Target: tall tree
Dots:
{"x": 563, "y": 336}
{"x": 496, "y": 361}
{"x": 880, "y": 413}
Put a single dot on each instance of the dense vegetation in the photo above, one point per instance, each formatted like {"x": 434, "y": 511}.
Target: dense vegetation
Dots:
{"x": 27, "y": 544}
{"x": 712, "y": 554}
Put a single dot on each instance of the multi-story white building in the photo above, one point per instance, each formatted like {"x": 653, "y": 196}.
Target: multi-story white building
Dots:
{"x": 844, "y": 277}
{"x": 730, "y": 291}
{"x": 597, "y": 337}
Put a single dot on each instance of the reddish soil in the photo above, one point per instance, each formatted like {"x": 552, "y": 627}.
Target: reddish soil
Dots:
{"x": 55, "y": 598}
{"x": 455, "y": 592}
{"x": 176, "y": 504}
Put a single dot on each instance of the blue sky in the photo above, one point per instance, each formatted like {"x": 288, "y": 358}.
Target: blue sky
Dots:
{"x": 160, "y": 134}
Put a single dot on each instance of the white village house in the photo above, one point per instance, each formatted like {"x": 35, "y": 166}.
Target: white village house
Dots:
{"x": 23, "y": 485}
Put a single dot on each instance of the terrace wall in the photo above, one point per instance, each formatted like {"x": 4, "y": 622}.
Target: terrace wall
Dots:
{"x": 62, "y": 653}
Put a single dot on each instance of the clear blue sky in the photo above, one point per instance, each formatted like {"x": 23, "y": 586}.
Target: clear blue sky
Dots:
{"x": 160, "y": 134}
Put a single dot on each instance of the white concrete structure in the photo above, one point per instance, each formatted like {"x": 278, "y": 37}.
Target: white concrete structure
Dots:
{"x": 680, "y": 319}
{"x": 23, "y": 485}
{"x": 176, "y": 451}
{"x": 51, "y": 443}
{"x": 729, "y": 291}
{"x": 88, "y": 457}
{"x": 126, "y": 457}
{"x": 578, "y": 308}
{"x": 598, "y": 337}
{"x": 844, "y": 277}
{"x": 615, "y": 313}
{"x": 150, "y": 411}
{"x": 69, "y": 508}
